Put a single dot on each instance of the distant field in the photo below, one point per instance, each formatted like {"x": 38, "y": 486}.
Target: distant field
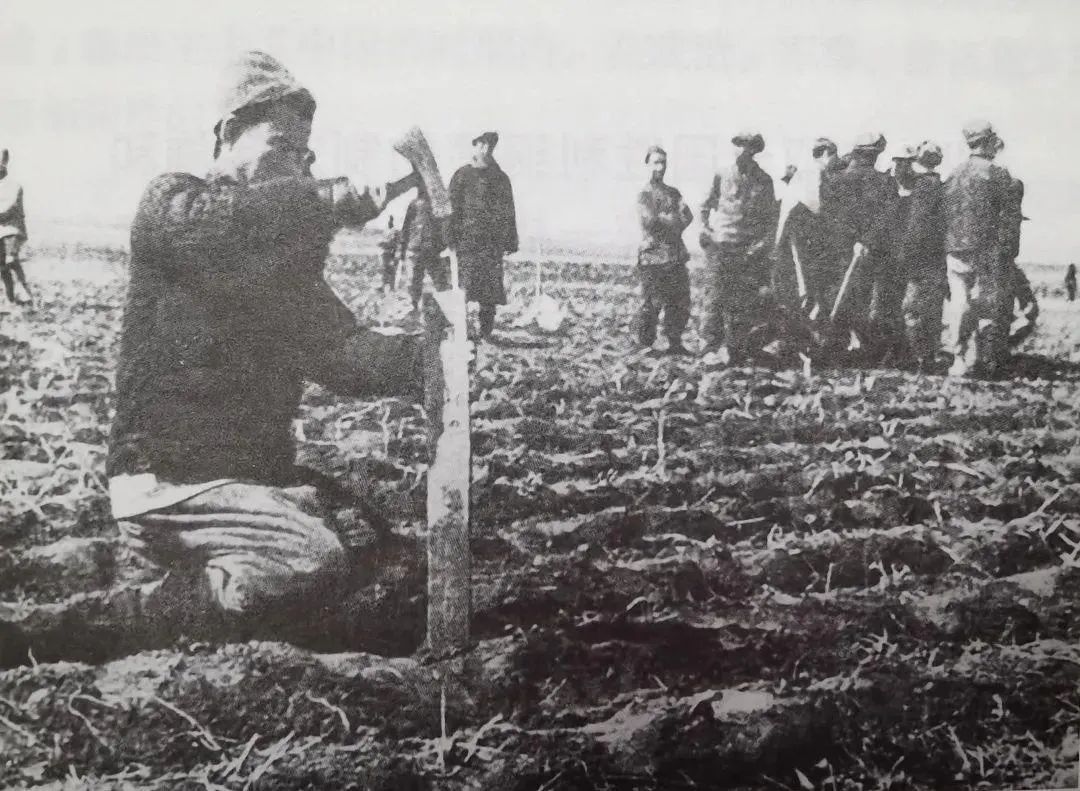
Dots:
{"x": 857, "y": 580}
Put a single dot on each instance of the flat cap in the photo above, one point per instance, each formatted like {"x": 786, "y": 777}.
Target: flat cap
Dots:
{"x": 824, "y": 144}
{"x": 869, "y": 141}
{"x": 750, "y": 140}
{"x": 491, "y": 138}
{"x": 928, "y": 154}
{"x": 977, "y": 131}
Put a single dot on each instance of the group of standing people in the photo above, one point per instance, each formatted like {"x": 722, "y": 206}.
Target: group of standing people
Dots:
{"x": 851, "y": 264}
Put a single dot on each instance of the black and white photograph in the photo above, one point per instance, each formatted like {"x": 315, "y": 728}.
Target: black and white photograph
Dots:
{"x": 539, "y": 395}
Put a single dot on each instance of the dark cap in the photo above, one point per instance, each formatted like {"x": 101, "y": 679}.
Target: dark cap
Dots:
{"x": 823, "y": 144}
{"x": 491, "y": 138}
{"x": 753, "y": 141}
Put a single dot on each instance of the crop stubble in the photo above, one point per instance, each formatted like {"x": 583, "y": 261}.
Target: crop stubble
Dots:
{"x": 857, "y": 580}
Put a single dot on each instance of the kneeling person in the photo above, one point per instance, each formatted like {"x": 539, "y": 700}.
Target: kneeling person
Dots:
{"x": 227, "y": 315}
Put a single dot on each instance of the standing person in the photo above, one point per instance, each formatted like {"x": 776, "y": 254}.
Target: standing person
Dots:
{"x": 1023, "y": 307}
{"x": 483, "y": 228}
{"x": 800, "y": 236}
{"x": 1070, "y": 282}
{"x": 421, "y": 245}
{"x": 921, "y": 247}
{"x": 227, "y": 315}
{"x": 739, "y": 218}
{"x": 12, "y": 232}
{"x": 888, "y": 341}
{"x": 662, "y": 256}
{"x": 979, "y": 200}
{"x": 388, "y": 253}
{"x": 858, "y": 207}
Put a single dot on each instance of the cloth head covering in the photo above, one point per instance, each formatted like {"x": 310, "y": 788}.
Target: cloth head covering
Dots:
{"x": 256, "y": 78}
{"x": 752, "y": 141}
{"x": 977, "y": 131}
{"x": 654, "y": 149}
{"x": 869, "y": 142}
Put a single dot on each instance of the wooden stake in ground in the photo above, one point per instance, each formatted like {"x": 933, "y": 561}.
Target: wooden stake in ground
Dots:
{"x": 447, "y": 404}
{"x": 449, "y": 472}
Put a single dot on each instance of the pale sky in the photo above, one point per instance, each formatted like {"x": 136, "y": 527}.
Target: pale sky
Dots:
{"x": 100, "y": 97}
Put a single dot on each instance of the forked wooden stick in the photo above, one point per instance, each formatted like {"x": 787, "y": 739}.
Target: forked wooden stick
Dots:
{"x": 447, "y": 404}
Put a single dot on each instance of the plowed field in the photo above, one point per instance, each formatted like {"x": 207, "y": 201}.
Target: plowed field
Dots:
{"x": 743, "y": 578}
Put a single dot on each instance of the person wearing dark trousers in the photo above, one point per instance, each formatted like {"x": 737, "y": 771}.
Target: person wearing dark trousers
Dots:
{"x": 859, "y": 208}
{"x": 739, "y": 226}
{"x": 12, "y": 233}
{"x": 662, "y": 257}
{"x": 421, "y": 243}
{"x": 982, "y": 212}
{"x": 1070, "y": 282}
{"x": 388, "y": 247}
{"x": 483, "y": 228}
{"x": 921, "y": 248}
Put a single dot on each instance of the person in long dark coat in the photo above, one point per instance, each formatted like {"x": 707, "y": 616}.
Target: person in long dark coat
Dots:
{"x": 921, "y": 249}
{"x": 483, "y": 228}
{"x": 859, "y": 207}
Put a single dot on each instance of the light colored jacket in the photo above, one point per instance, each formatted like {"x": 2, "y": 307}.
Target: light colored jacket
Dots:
{"x": 740, "y": 207}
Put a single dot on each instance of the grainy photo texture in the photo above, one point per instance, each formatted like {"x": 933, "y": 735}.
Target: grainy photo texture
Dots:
{"x": 539, "y": 395}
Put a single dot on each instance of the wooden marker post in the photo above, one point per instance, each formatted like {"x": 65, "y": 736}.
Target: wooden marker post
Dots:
{"x": 449, "y": 473}
{"x": 446, "y": 401}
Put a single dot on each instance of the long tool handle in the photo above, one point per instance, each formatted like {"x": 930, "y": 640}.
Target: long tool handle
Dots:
{"x": 855, "y": 258}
